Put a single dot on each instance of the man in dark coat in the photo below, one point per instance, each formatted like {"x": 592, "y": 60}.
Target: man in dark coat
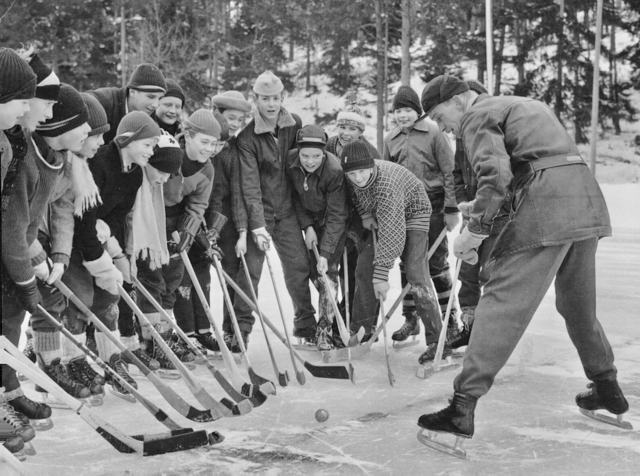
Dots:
{"x": 519, "y": 149}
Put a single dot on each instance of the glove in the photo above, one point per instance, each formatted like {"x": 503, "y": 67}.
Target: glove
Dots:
{"x": 451, "y": 220}
{"x": 43, "y": 269}
{"x": 56, "y": 273}
{"x": 103, "y": 231}
{"x": 105, "y": 273}
{"x": 310, "y": 237}
{"x": 323, "y": 265}
{"x": 213, "y": 251}
{"x": 465, "y": 208}
{"x": 241, "y": 244}
{"x": 188, "y": 228}
{"x": 124, "y": 266}
{"x": 381, "y": 289}
{"x": 261, "y": 238}
{"x": 370, "y": 223}
{"x": 28, "y": 296}
{"x": 465, "y": 246}
{"x": 214, "y": 226}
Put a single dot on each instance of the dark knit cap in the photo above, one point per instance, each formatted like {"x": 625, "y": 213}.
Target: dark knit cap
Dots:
{"x": 68, "y": 113}
{"x": 203, "y": 121}
{"x": 48, "y": 86}
{"x": 138, "y": 126}
{"x": 174, "y": 90}
{"x": 441, "y": 89}
{"x": 17, "y": 79}
{"x": 96, "y": 114}
{"x": 224, "y": 125}
{"x": 312, "y": 136}
{"x": 147, "y": 77}
{"x": 167, "y": 155}
{"x": 355, "y": 156}
{"x": 406, "y": 97}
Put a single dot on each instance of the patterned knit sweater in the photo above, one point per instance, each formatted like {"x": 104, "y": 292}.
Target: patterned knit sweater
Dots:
{"x": 398, "y": 201}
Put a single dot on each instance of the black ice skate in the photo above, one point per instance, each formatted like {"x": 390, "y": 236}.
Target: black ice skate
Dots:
{"x": 39, "y": 414}
{"x": 461, "y": 339}
{"x": 82, "y": 372}
{"x": 410, "y": 329}
{"x": 61, "y": 375}
{"x": 456, "y": 419}
{"x": 166, "y": 370}
{"x": 120, "y": 367}
{"x": 604, "y": 395}
{"x": 180, "y": 348}
{"x": 11, "y": 425}
{"x": 306, "y": 338}
{"x": 235, "y": 345}
{"x": 426, "y": 368}
{"x": 324, "y": 339}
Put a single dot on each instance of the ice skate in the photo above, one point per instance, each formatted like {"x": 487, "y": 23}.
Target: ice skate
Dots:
{"x": 208, "y": 345}
{"x": 604, "y": 395}
{"x": 202, "y": 349}
{"x": 144, "y": 357}
{"x": 166, "y": 370}
{"x": 82, "y": 372}
{"x": 235, "y": 345}
{"x": 306, "y": 338}
{"x": 324, "y": 338}
{"x": 180, "y": 348}
{"x": 39, "y": 414}
{"x": 462, "y": 337}
{"x": 61, "y": 375}
{"x": 11, "y": 425}
{"x": 456, "y": 419}
{"x": 425, "y": 369}
{"x": 120, "y": 367}
{"x": 406, "y": 336}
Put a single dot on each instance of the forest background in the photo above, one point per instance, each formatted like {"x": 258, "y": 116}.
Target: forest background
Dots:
{"x": 354, "y": 49}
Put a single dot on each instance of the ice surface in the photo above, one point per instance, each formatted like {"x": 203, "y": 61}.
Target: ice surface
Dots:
{"x": 527, "y": 424}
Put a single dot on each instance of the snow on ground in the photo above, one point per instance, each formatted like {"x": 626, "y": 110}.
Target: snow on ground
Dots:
{"x": 527, "y": 424}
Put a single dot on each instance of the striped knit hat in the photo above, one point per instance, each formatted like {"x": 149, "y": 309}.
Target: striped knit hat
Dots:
{"x": 231, "y": 100}
{"x": 17, "y": 80}
{"x": 136, "y": 126}
{"x": 147, "y": 77}
{"x": 351, "y": 116}
{"x": 167, "y": 155}
{"x": 48, "y": 86}
{"x": 68, "y": 113}
{"x": 355, "y": 156}
{"x": 203, "y": 121}
{"x": 96, "y": 114}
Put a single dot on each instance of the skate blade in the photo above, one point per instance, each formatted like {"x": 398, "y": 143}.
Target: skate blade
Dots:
{"x": 398, "y": 344}
{"x": 425, "y": 371}
{"x": 306, "y": 347}
{"x": 41, "y": 425}
{"x": 96, "y": 400}
{"x": 53, "y": 402}
{"x": 430, "y": 441}
{"x": 125, "y": 396}
{"x": 618, "y": 421}
{"x": 168, "y": 374}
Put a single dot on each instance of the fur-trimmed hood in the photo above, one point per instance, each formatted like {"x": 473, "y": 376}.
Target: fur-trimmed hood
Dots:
{"x": 285, "y": 119}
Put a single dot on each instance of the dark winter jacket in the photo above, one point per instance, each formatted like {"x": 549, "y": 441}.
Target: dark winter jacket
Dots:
{"x": 226, "y": 197}
{"x": 398, "y": 201}
{"x": 464, "y": 178}
{"x": 519, "y": 149}
{"x": 114, "y": 102}
{"x": 118, "y": 190}
{"x": 5, "y": 154}
{"x": 426, "y": 152}
{"x": 29, "y": 196}
{"x": 265, "y": 183}
{"x": 320, "y": 198}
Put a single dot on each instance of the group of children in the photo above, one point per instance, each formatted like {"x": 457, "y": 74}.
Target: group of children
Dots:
{"x": 96, "y": 184}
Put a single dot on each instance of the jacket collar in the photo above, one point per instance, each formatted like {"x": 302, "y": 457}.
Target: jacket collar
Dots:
{"x": 284, "y": 120}
{"x": 422, "y": 126}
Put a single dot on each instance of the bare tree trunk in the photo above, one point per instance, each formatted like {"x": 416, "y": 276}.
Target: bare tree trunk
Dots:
{"x": 380, "y": 78}
{"x": 308, "y": 72}
{"x": 123, "y": 44}
{"x": 614, "y": 77}
{"x": 520, "y": 55}
{"x": 405, "y": 71}
{"x": 498, "y": 60}
{"x": 386, "y": 68}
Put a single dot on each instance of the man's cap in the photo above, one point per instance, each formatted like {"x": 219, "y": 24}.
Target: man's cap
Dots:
{"x": 441, "y": 89}
{"x": 311, "y": 136}
{"x": 268, "y": 84}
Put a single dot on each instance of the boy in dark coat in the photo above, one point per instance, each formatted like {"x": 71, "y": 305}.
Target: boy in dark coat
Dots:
{"x": 319, "y": 197}
{"x": 264, "y": 145}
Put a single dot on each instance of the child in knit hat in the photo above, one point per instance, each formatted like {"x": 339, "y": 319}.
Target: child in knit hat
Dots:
{"x": 169, "y": 110}
{"x": 97, "y": 264}
{"x": 186, "y": 197}
{"x": 319, "y": 195}
{"x": 234, "y": 107}
{"x": 350, "y": 126}
{"x": 264, "y": 144}
{"x": 142, "y": 93}
{"x": 395, "y": 203}
{"x": 423, "y": 149}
